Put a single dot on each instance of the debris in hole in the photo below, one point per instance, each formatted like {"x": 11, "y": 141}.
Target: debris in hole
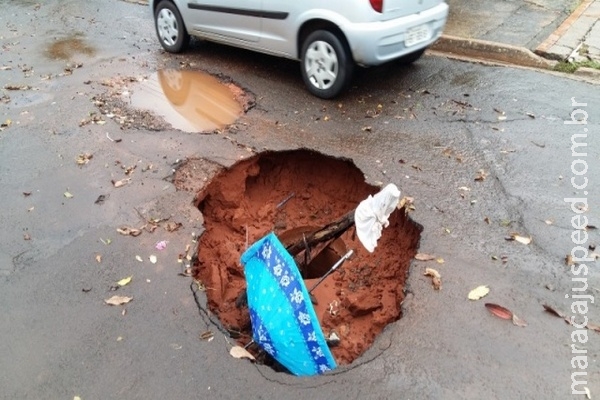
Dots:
{"x": 239, "y": 206}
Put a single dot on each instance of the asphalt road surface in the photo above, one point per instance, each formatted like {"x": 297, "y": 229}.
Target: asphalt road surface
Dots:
{"x": 484, "y": 151}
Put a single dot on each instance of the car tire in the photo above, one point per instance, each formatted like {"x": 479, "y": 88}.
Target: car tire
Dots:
{"x": 170, "y": 29}
{"x": 412, "y": 57}
{"x": 326, "y": 64}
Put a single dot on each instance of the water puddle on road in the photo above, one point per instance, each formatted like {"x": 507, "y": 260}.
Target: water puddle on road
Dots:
{"x": 190, "y": 101}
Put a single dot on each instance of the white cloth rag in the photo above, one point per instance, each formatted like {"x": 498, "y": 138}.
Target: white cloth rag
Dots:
{"x": 372, "y": 214}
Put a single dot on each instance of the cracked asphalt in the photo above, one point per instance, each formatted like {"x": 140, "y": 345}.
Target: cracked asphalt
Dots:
{"x": 429, "y": 128}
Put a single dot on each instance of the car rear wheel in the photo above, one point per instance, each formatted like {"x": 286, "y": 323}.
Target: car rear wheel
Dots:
{"x": 170, "y": 29}
{"x": 327, "y": 64}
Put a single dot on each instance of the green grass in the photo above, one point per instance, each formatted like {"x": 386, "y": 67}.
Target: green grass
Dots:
{"x": 570, "y": 67}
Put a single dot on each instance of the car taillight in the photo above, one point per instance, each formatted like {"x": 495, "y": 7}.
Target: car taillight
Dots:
{"x": 377, "y": 5}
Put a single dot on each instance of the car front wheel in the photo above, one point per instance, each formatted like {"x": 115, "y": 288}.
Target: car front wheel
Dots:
{"x": 326, "y": 64}
{"x": 170, "y": 28}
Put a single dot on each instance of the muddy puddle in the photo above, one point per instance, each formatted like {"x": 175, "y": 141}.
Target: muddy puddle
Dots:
{"x": 67, "y": 48}
{"x": 291, "y": 193}
{"x": 191, "y": 101}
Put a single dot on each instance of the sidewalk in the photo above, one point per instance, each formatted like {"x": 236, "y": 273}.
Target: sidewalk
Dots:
{"x": 534, "y": 33}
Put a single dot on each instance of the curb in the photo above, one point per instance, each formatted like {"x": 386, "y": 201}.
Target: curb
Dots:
{"x": 544, "y": 47}
{"x": 490, "y": 51}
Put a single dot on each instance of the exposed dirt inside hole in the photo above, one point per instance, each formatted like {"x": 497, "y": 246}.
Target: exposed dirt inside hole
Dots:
{"x": 239, "y": 206}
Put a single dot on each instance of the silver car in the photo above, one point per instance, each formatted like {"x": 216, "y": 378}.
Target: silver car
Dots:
{"x": 329, "y": 37}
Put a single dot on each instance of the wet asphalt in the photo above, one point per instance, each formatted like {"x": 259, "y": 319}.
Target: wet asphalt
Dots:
{"x": 429, "y": 128}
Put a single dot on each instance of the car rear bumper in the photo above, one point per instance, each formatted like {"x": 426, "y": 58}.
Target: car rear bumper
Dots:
{"x": 390, "y": 36}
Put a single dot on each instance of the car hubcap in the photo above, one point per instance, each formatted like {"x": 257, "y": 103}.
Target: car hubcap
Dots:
{"x": 166, "y": 24}
{"x": 321, "y": 64}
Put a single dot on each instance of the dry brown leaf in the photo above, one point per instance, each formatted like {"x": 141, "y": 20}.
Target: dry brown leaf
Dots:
{"x": 569, "y": 260}
{"x": 557, "y": 313}
{"x": 518, "y": 238}
{"x": 499, "y": 311}
{"x": 424, "y": 257}
{"x": 118, "y": 300}
{"x": 121, "y": 182}
{"x": 481, "y": 175}
{"x": 128, "y": 231}
{"x": 240, "y": 352}
{"x": 84, "y": 158}
{"x": 436, "y": 278}
{"x": 173, "y": 226}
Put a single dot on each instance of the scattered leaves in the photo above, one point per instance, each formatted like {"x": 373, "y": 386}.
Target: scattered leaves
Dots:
{"x": 125, "y": 281}
{"x": 118, "y": 300}
{"x": 240, "y": 352}
{"x": 436, "y": 278}
{"x": 128, "y": 231}
{"x": 68, "y": 195}
{"x": 479, "y": 292}
{"x": 139, "y": 258}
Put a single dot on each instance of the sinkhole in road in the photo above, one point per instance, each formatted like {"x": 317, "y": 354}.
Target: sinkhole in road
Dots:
{"x": 292, "y": 193}
{"x": 191, "y": 101}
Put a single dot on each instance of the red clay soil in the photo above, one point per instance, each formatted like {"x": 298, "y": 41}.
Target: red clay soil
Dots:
{"x": 240, "y": 206}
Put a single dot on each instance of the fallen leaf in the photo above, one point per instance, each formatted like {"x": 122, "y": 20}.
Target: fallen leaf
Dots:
{"x": 588, "y": 394}
{"x": 549, "y": 222}
{"x": 100, "y": 199}
{"x": 240, "y": 352}
{"x": 478, "y": 292}
{"x": 99, "y": 258}
{"x": 424, "y": 257}
{"x": 593, "y": 327}
{"x": 487, "y": 220}
{"x": 518, "y": 238}
{"x": 481, "y": 175}
{"x": 125, "y": 281}
{"x": 590, "y": 227}
{"x": 139, "y": 258}
{"x": 26, "y": 236}
{"x": 499, "y": 311}
{"x": 106, "y": 242}
{"x": 207, "y": 335}
{"x": 121, "y": 182}
{"x": 518, "y": 321}
{"x": 569, "y": 260}
{"x": 84, "y": 158}
{"x": 68, "y": 195}
{"x": 557, "y": 313}
{"x": 26, "y": 194}
{"x": 436, "y": 278}
{"x": 439, "y": 260}
{"x": 128, "y": 231}
{"x": 118, "y": 300}
{"x": 173, "y": 226}
{"x": 153, "y": 259}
